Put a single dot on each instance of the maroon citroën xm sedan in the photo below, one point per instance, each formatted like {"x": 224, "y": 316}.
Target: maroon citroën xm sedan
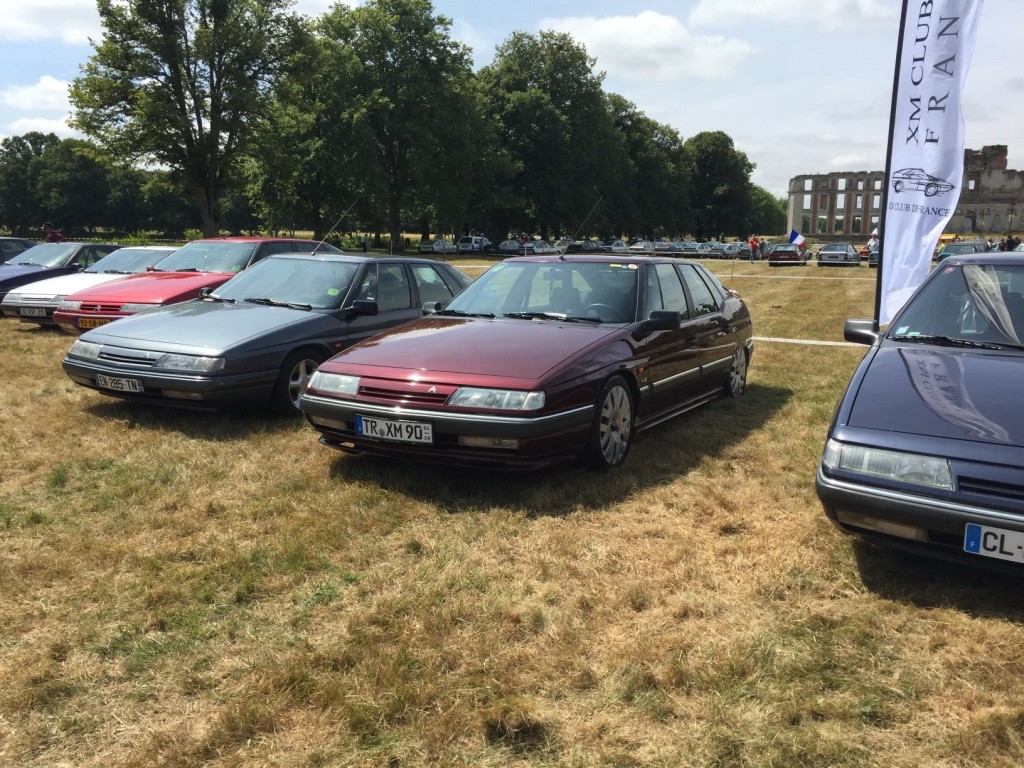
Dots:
{"x": 542, "y": 359}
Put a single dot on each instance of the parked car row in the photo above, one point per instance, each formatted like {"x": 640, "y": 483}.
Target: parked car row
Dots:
{"x": 542, "y": 360}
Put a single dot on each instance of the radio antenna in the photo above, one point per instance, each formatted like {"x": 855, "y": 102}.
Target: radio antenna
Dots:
{"x": 335, "y": 225}
{"x": 561, "y": 256}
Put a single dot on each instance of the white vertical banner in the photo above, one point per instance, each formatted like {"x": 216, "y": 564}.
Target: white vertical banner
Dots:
{"x": 926, "y": 144}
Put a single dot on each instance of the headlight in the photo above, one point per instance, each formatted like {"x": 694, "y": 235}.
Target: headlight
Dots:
{"x": 190, "y": 363}
{"x": 914, "y": 468}
{"x": 134, "y": 309}
{"x": 72, "y": 305}
{"x": 335, "y": 383}
{"x": 85, "y": 349}
{"x": 499, "y": 399}
{"x": 12, "y": 298}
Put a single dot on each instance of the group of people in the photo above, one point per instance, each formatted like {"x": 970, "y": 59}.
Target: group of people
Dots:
{"x": 1008, "y": 243}
{"x": 757, "y": 248}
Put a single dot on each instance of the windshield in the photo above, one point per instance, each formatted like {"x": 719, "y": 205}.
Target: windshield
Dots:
{"x": 596, "y": 291}
{"x": 203, "y": 256}
{"x": 835, "y": 247}
{"x": 974, "y": 302}
{"x": 287, "y": 280}
{"x": 128, "y": 261}
{"x": 46, "y": 255}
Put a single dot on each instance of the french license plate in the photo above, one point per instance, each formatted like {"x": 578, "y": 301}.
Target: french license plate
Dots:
{"x": 118, "y": 385}
{"x": 92, "y": 322}
{"x": 32, "y": 312}
{"x": 994, "y": 542}
{"x": 395, "y": 431}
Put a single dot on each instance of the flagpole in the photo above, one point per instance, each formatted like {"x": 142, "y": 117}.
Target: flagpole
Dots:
{"x": 888, "y": 164}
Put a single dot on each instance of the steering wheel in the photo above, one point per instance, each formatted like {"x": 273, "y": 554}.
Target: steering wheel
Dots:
{"x": 603, "y": 311}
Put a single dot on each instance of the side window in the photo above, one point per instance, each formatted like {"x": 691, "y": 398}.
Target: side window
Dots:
{"x": 704, "y": 301}
{"x": 386, "y": 284}
{"x": 672, "y": 296}
{"x": 88, "y": 256}
{"x": 652, "y": 294}
{"x": 264, "y": 250}
{"x": 430, "y": 284}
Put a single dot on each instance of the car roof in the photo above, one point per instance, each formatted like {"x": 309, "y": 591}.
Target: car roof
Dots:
{"x": 246, "y": 239}
{"x": 599, "y": 258}
{"x": 357, "y": 258}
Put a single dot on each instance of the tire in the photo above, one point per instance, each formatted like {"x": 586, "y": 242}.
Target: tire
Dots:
{"x": 736, "y": 384}
{"x": 612, "y": 430}
{"x": 292, "y": 380}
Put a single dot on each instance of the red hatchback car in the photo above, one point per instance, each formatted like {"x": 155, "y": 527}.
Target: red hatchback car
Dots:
{"x": 542, "y": 359}
{"x": 199, "y": 264}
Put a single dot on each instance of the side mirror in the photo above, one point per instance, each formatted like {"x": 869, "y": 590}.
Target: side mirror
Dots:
{"x": 659, "y": 320}
{"x": 432, "y": 307}
{"x": 205, "y": 291}
{"x": 362, "y": 307}
{"x": 861, "y": 331}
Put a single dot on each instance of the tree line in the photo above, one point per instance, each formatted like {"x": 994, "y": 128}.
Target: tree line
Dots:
{"x": 243, "y": 115}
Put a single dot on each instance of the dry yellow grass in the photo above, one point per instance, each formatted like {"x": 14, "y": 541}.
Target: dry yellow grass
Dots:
{"x": 220, "y": 590}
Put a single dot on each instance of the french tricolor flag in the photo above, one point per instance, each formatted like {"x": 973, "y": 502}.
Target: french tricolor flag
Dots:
{"x": 795, "y": 237}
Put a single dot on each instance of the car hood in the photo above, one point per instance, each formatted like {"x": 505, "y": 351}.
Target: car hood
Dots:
{"x": 154, "y": 287}
{"x": 526, "y": 349}
{"x": 65, "y": 284}
{"x": 943, "y": 393}
{"x": 11, "y": 272}
{"x": 205, "y": 326}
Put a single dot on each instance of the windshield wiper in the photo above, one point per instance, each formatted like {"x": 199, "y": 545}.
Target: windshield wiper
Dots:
{"x": 946, "y": 341}
{"x": 542, "y": 316}
{"x": 215, "y": 297}
{"x": 460, "y": 313}
{"x": 276, "y": 303}
{"x": 117, "y": 272}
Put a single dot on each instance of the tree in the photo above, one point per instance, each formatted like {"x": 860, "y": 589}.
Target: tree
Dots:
{"x": 768, "y": 213}
{"x": 720, "y": 175}
{"x": 179, "y": 83}
{"x": 411, "y": 88}
{"x": 73, "y": 184}
{"x": 556, "y": 127}
{"x": 20, "y": 208}
{"x": 660, "y": 184}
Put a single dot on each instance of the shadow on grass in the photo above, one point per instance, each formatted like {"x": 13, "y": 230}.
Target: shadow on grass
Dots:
{"x": 658, "y": 457}
{"x": 196, "y": 424}
{"x": 928, "y": 582}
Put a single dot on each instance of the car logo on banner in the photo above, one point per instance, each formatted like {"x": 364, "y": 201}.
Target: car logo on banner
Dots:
{"x": 916, "y": 180}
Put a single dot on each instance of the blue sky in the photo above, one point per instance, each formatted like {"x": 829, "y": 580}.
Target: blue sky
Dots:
{"x": 802, "y": 86}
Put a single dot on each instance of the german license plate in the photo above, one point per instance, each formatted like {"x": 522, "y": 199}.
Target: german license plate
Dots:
{"x": 118, "y": 385}
{"x": 994, "y": 542}
{"x": 32, "y": 312}
{"x": 92, "y": 322}
{"x": 395, "y": 431}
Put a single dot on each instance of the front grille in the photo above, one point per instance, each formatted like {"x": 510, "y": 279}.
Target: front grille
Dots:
{"x": 138, "y": 362}
{"x": 105, "y": 309}
{"x": 1011, "y": 491}
{"x": 403, "y": 396}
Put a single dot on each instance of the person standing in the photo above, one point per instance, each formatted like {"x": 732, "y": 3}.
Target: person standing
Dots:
{"x": 52, "y": 235}
{"x": 753, "y": 248}
{"x": 363, "y": 241}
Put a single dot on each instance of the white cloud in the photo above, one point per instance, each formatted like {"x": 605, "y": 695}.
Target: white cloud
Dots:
{"x": 47, "y": 94}
{"x": 65, "y": 21}
{"x": 850, "y": 161}
{"x": 43, "y": 125}
{"x": 829, "y": 14}
{"x": 653, "y": 47}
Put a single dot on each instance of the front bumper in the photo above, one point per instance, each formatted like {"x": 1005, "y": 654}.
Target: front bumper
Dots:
{"x": 939, "y": 524}
{"x": 192, "y": 391}
{"x": 542, "y": 440}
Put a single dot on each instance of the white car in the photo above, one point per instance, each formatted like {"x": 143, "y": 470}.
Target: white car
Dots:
{"x": 472, "y": 244}
{"x": 614, "y": 246}
{"x": 642, "y": 246}
{"x": 36, "y": 302}
{"x": 440, "y": 245}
